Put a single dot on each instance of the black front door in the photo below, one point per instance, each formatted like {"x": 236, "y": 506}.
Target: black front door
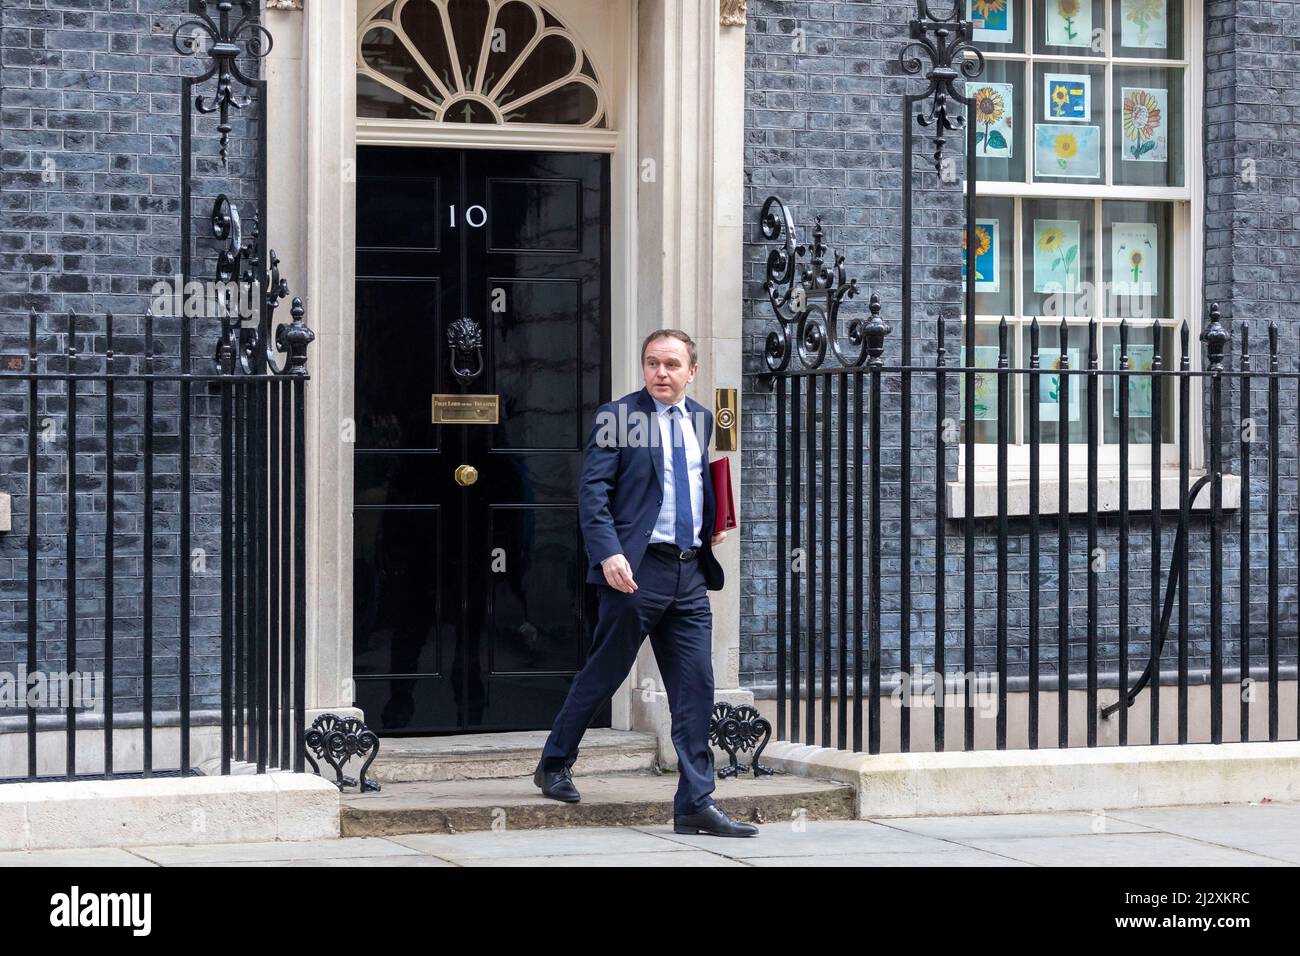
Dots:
{"x": 470, "y": 611}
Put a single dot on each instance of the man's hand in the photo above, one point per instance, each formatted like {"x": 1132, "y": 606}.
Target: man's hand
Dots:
{"x": 618, "y": 573}
{"x": 719, "y": 537}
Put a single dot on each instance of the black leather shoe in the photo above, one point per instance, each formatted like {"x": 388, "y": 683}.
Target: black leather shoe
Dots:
{"x": 713, "y": 821}
{"x": 557, "y": 784}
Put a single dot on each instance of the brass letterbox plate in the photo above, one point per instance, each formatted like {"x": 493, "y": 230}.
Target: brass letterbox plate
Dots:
{"x": 465, "y": 409}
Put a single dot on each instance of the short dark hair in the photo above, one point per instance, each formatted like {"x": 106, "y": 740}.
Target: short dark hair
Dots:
{"x": 677, "y": 334}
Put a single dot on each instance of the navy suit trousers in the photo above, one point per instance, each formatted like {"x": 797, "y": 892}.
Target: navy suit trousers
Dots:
{"x": 670, "y": 604}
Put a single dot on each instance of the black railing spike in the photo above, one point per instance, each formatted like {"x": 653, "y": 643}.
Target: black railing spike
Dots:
{"x": 294, "y": 339}
{"x": 71, "y": 344}
{"x": 31, "y": 337}
{"x": 875, "y": 331}
{"x": 1215, "y": 336}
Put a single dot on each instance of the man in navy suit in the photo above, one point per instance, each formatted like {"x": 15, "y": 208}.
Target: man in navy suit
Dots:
{"x": 647, "y": 506}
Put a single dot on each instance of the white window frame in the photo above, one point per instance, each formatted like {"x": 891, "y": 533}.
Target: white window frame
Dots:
{"x": 1187, "y": 224}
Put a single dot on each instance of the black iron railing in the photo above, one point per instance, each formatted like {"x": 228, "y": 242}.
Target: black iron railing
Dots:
{"x": 261, "y": 630}
{"x": 833, "y": 523}
{"x": 854, "y": 583}
{"x": 246, "y": 408}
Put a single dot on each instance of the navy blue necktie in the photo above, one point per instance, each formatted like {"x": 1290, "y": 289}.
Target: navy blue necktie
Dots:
{"x": 685, "y": 526}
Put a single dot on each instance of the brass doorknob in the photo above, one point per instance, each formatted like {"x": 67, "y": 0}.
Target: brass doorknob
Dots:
{"x": 466, "y": 475}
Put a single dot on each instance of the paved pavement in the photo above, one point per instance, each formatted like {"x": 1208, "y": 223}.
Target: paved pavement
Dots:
{"x": 1228, "y": 835}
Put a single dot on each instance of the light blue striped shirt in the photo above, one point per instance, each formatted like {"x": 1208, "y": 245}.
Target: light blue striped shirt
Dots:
{"x": 666, "y": 527}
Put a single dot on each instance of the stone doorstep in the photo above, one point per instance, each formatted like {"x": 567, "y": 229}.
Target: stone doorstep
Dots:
{"x": 967, "y": 783}
{"x": 503, "y": 755}
{"x": 184, "y": 810}
{"x": 607, "y": 800}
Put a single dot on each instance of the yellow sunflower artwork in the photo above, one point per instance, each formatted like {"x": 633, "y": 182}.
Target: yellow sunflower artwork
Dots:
{"x": 1066, "y": 147}
{"x": 986, "y": 255}
{"x": 1135, "y": 260}
{"x": 1069, "y": 23}
{"x": 1056, "y": 255}
{"x": 1135, "y": 247}
{"x": 994, "y": 123}
{"x": 991, "y": 20}
{"x": 1072, "y": 152}
{"x": 1143, "y": 24}
{"x": 1067, "y": 96}
{"x": 1143, "y": 117}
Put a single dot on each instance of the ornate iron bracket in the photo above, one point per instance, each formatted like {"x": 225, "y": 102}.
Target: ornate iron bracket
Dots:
{"x": 337, "y": 740}
{"x": 804, "y": 325}
{"x": 946, "y": 43}
{"x": 736, "y": 729}
{"x": 465, "y": 339}
{"x": 225, "y": 44}
{"x": 246, "y": 281}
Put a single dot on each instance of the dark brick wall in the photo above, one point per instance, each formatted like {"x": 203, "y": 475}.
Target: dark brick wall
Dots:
{"x": 90, "y": 221}
{"x": 823, "y": 131}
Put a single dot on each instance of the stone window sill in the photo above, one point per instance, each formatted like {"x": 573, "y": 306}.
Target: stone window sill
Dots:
{"x": 1139, "y": 494}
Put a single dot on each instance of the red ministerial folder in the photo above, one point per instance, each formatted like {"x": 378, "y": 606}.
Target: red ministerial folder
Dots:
{"x": 725, "y": 511}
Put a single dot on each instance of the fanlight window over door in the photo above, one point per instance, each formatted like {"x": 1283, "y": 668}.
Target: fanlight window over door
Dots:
{"x": 474, "y": 61}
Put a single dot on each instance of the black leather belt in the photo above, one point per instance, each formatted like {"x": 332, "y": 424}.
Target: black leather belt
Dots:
{"x": 663, "y": 547}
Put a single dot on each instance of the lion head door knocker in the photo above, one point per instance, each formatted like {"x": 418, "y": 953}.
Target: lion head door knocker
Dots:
{"x": 466, "y": 340}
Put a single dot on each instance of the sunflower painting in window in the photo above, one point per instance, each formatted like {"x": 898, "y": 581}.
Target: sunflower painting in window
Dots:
{"x": 1049, "y": 386}
{"x": 1134, "y": 255}
{"x": 1144, "y": 115}
{"x": 1141, "y": 358}
{"x": 992, "y": 21}
{"x": 1067, "y": 97}
{"x": 994, "y": 120}
{"x": 986, "y": 385}
{"x": 1072, "y": 152}
{"x": 1143, "y": 24}
{"x": 1069, "y": 23}
{"x": 1056, "y": 255}
{"x": 987, "y": 255}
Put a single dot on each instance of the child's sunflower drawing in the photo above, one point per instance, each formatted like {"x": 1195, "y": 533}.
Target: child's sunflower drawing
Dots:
{"x": 1142, "y": 119}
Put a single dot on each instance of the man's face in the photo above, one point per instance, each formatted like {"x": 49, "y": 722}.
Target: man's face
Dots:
{"x": 667, "y": 369}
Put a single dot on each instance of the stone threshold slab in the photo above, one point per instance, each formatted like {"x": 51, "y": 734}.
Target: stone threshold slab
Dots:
{"x": 510, "y": 754}
{"x": 607, "y": 800}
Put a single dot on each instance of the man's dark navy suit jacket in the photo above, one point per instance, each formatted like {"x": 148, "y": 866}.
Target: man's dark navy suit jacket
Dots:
{"x": 621, "y": 490}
